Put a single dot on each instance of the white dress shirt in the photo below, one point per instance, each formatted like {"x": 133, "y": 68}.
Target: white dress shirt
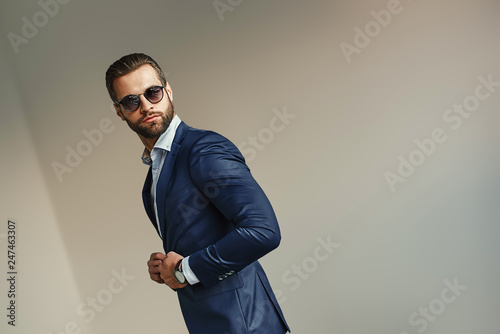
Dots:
{"x": 155, "y": 159}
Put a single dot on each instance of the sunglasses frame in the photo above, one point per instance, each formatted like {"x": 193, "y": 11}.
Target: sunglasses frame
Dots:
{"x": 118, "y": 103}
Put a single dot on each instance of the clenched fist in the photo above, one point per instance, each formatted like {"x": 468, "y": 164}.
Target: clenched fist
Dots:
{"x": 166, "y": 269}
{"x": 153, "y": 267}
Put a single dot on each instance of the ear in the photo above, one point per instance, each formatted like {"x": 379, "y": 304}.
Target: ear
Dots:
{"x": 169, "y": 91}
{"x": 119, "y": 111}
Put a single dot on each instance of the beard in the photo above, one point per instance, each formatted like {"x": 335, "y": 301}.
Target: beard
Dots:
{"x": 153, "y": 129}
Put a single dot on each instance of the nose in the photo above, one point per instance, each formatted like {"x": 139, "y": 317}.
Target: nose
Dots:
{"x": 145, "y": 106}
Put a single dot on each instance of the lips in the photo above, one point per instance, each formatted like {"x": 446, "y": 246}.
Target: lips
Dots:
{"x": 150, "y": 119}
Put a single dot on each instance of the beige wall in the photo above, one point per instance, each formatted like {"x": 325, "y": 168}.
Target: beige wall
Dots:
{"x": 394, "y": 250}
{"x": 45, "y": 285}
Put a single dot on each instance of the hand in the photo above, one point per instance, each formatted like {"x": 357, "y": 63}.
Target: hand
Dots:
{"x": 153, "y": 266}
{"x": 167, "y": 267}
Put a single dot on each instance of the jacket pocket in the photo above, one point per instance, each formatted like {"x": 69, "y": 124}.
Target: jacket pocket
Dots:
{"x": 232, "y": 283}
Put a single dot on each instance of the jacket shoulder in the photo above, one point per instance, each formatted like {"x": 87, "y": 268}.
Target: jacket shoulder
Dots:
{"x": 206, "y": 138}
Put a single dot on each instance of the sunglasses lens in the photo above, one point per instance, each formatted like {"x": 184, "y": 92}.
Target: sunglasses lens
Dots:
{"x": 154, "y": 94}
{"x": 131, "y": 102}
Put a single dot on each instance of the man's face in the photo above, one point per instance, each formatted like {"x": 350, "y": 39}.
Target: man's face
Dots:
{"x": 150, "y": 120}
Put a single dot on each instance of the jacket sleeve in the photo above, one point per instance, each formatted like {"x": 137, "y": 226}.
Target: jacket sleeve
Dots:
{"x": 219, "y": 171}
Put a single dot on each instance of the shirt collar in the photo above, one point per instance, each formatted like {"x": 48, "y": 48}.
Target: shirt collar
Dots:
{"x": 164, "y": 142}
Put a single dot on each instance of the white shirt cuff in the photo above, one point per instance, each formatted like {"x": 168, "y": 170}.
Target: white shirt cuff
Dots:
{"x": 188, "y": 273}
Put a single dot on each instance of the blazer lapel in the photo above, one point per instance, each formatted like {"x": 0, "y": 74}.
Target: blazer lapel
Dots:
{"x": 166, "y": 173}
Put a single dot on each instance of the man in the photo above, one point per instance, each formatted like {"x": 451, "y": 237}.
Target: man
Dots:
{"x": 214, "y": 219}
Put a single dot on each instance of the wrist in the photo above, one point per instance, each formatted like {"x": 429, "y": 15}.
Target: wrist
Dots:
{"x": 178, "y": 274}
{"x": 178, "y": 266}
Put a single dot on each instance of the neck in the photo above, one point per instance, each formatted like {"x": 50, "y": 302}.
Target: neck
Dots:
{"x": 148, "y": 142}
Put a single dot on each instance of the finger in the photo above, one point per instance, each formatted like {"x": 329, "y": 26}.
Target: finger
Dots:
{"x": 154, "y": 270}
{"x": 154, "y": 263}
{"x": 156, "y": 278}
{"x": 159, "y": 280}
{"x": 157, "y": 256}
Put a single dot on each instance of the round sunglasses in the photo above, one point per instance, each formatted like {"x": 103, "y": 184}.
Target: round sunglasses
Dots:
{"x": 132, "y": 102}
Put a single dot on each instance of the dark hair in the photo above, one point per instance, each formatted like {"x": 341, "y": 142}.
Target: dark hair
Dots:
{"x": 127, "y": 64}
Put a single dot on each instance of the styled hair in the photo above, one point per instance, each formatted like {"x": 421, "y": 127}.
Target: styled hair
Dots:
{"x": 127, "y": 64}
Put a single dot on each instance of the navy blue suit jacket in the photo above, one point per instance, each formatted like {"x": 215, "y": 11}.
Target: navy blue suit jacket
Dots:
{"x": 211, "y": 209}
